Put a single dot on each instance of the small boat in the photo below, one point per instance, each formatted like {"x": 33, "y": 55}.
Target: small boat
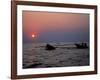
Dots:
{"x": 81, "y": 46}
{"x": 49, "y": 47}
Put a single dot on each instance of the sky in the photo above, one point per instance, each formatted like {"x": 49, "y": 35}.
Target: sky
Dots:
{"x": 55, "y": 27}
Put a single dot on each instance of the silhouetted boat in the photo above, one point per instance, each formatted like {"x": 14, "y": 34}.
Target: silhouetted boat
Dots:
{"x": 49, "y": 47}
{"x": 81, "y": 46}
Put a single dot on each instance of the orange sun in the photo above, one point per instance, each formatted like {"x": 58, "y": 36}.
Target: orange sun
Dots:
{"x": 33, "y": 35}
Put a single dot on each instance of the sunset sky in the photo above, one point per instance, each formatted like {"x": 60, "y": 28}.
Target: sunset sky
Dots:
{"x": 55, "y": 27}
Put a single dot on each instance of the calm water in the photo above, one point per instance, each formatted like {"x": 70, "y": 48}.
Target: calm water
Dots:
{"x": 65, "y": 54}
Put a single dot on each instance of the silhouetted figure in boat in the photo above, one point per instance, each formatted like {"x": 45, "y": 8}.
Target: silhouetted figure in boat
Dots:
{"x": 81, "y": 46}
{"x": 49, "y": 47}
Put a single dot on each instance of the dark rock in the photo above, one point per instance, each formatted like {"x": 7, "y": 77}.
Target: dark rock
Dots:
{"x": 49, "y": 47}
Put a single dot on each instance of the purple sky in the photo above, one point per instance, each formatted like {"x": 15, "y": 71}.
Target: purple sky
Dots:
{"x": 55, "y": 27}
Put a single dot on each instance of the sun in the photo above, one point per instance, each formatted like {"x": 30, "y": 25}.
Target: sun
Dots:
{"x": 33, "y": 35}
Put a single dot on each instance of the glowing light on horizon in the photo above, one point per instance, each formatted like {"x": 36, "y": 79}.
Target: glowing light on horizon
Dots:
{"x": 33, "y": 35}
